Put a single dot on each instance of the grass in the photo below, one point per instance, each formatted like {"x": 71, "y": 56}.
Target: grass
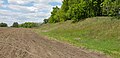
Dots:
{"x": 98, "y": 33}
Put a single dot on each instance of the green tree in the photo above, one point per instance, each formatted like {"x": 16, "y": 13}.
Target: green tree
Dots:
{"x": 15, "y": 24}
{"x": 3, "y": 25}
{"x": 53, "y": 18}
{"x": 29, "y": 25}
{"x": 45, "y": 21}
{"x": 80, "y": 9}
{"x": 111, "y": 7}
{"x": 77, "y": 12}
{"x": 65, "y": 6}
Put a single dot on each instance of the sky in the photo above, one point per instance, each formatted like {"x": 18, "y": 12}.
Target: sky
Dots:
{"x": 26, "y": 10}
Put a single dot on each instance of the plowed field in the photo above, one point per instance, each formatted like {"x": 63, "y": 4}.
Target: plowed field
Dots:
{"x": 24, "y": 43}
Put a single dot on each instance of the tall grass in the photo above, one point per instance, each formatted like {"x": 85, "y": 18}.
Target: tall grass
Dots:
{"x": 98, "y": 33}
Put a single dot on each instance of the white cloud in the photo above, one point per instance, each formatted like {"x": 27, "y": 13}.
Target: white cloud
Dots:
{"x": 19, "y": 1}
{"x": 10, "y": 17}
{"x": 1, "y": 1}
{"x": 22, "y": 8}
{"x": 18, "y": 12}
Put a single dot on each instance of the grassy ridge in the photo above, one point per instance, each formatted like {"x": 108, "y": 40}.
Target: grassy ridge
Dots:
{"x": 99, "y": 33}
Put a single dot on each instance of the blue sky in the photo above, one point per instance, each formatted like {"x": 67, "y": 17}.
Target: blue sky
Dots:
{"x": 26, "y": 10}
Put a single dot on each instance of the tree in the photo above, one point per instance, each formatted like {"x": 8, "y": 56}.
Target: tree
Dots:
{"x": 111, "y": 7}
{"x": 29, "y": 25}
{"x": 81, "y": 9}
{"x": 45, "y": 21}
{"x": 3, "y": 25}
{"x": 15, "y": 24}
{"x": 77, "y": 12}
{"x": 52, "y": 18}
{"x": 65, "y": 6}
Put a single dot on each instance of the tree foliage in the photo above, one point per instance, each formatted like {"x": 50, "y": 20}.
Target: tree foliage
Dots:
{"x": 15, "y": 24}
{"x": 3, "y": 25}
{"x": 80, "y": 9}
{"x": 54, "y": 18}
{"x": 111, "y": 7}
{"x": 28, "y": 25}
{"x": 45, "y": 21}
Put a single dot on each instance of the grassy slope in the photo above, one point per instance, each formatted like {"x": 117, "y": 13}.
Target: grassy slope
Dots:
{"x": 99, "y": 33}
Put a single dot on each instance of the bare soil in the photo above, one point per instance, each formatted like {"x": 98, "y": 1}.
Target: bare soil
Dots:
{"x": 24, "y": 43}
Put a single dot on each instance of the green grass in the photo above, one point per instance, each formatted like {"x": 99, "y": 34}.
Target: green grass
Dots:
{"x": 98, "y": 33}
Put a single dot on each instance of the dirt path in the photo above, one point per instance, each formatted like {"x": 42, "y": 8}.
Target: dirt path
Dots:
{"x": 23, "y": 43}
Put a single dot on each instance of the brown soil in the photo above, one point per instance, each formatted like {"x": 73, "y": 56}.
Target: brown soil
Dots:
{"x": 23, "y": 43}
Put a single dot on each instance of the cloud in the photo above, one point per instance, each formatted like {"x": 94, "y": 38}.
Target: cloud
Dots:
{"x": 19, "y": 1}
{"x": 1, "y": 1}
{"x": 37, "y": 5}
{"x": 23, "y": 8}
{"x": 26, "y": 10}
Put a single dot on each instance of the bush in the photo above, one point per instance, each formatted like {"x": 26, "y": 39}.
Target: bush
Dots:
{"x": 3, "y": 25}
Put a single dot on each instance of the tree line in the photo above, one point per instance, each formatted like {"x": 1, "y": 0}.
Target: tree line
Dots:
{"x": 24, "y": 25}
{"x": 3, "y": 25}
{"x": 80, "y": 9}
